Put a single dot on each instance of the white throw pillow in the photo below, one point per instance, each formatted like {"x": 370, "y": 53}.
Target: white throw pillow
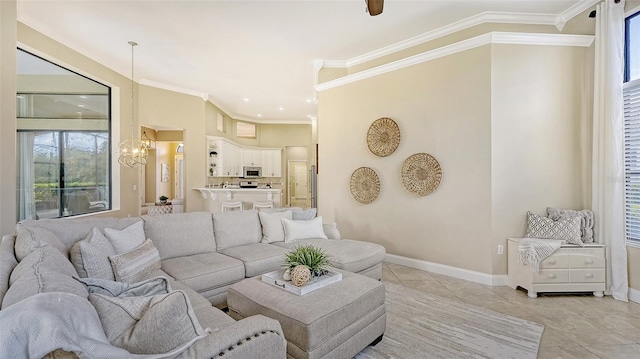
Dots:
{"x": 309, "y": 229}
{"x": 272, "y": 228}
{"x": 126, "y": 239}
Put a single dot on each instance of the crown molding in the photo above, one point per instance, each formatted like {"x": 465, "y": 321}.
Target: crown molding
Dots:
{"x": 485, "y": 17}
{"x": 485, "y": 39}
{"x": 572, "y": 12}
{"x": 167, "y": 87}
{"x": 335, "y": 63}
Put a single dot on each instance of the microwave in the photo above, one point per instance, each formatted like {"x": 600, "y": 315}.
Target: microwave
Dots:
{"x": 251, "y": 172}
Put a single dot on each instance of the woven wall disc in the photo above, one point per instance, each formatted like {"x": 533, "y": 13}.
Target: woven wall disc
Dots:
{"x": 421, "y": 174}
{"x": 365, "y": 185}
{"x": 383, "y": 137}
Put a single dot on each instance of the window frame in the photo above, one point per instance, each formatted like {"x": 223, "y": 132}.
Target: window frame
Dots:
{"x": 631, "y": 113}
{"x": 111, "y": 171}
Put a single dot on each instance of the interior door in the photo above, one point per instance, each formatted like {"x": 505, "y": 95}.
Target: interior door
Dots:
{"x": 301, "y": 180}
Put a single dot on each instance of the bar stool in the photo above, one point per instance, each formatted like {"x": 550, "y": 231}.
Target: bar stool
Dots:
{"x": 264, "y": 204}
{"x": 230, "y": 206}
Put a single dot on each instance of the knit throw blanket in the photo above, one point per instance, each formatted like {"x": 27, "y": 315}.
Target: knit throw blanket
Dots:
{"x": 532, "y": 251}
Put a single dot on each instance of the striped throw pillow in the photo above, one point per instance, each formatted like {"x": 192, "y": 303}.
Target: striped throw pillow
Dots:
{"x": 135, "y": 265}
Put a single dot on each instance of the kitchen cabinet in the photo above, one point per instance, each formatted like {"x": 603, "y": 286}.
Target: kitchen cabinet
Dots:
{"x": 227, "y": 159}
{"x": 272, "y": 163}
{"x": 252, "y": 157}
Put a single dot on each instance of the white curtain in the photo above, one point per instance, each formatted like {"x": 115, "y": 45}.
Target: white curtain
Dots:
{"x": 608, "y": 144}
{"x": 26, "y": 176}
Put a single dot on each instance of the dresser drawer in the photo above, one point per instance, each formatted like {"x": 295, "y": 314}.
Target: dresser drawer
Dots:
{"x": 555, "y": 262}
{"x": 551, "y": 276}
{"x": 580, "y": 261}
{"x": 587, "y": 275}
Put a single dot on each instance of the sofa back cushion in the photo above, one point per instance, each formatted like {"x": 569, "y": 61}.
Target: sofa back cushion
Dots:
{"x": 8, "y": 262}
{"x": 236, "y": 228}
{"x": 30, "y": 238}
{"x": 181, "y": 234}
{"x": 43, "y": 270}
{"x": 71, "y": 230}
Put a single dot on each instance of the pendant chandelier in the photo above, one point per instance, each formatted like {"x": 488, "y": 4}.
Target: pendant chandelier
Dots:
{"x": 133, "y": 152}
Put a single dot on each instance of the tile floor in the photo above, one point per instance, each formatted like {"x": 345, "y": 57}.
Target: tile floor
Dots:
{"x": 576, "y": 325}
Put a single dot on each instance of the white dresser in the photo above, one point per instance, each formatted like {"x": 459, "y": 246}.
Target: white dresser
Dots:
{"x": 569, "y": 269}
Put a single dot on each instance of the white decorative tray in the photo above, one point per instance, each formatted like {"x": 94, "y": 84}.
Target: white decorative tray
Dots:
{"x": 275, "y": 278}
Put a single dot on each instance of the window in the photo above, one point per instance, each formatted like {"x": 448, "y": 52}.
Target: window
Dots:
{"x": 220, "y": 123}
{"x": 245, "y": 130}
{"x": 63, "y": 141}
{"x": 631, "y": 96}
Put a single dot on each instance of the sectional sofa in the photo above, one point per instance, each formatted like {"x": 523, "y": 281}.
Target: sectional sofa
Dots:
{"x": 200, "y": 256}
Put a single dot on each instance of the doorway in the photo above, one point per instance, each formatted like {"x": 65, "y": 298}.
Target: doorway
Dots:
{"x": 298, "y": 176}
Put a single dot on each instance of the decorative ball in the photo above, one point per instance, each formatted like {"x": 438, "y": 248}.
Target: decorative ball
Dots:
{"x": 287, "y": 274}
{"x": 300, "y": 275}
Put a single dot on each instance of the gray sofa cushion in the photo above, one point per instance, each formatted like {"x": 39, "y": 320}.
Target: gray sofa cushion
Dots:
{"x": 43, "y": 270}
{"x": 236, "y": 228}
{"x": 125, "y": 240}
{"x": 90, "y": 256}
{"x": 30, "y": 238}
{"x": 346, "y": 254}
{"x": 204, "y": 271}
{"x": 8, "y": 262}
{"x": 71, "y": 230}
{"x": 258, "y": 258}
{"x": 149, "y": 325}
{"x": 181, "y": 234}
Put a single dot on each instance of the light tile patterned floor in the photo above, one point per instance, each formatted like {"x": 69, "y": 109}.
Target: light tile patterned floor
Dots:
{"x": 576, "y": 326}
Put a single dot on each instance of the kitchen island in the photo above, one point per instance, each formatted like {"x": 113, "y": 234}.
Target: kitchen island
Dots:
{"x": 234, "y": 194}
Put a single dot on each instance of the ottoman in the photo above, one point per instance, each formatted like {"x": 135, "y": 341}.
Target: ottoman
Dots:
{"x": 336, "y": 321}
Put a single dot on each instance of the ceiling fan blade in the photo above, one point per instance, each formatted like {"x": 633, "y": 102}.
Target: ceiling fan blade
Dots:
{"x": 375, "y": 7}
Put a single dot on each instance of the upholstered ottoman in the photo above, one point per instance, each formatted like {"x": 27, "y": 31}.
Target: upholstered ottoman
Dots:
{"x": 336, "y": 321}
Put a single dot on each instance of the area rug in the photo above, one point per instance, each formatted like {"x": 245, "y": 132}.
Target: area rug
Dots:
{"x": 421, "y": 325}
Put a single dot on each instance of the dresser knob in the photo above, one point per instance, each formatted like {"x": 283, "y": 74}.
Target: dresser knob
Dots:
{"x": 589, "y": 275}
{"x": 589, "y": 261}
{"x": 552, "y": 276}
{"x": 552, "y": 262}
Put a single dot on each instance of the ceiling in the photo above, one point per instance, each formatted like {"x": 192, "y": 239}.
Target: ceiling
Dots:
{"x": 255, "y": 59}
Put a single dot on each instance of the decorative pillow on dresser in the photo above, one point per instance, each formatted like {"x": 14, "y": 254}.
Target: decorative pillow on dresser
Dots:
{"x": 586, "y": 220}
{"x": 567, "y": 229}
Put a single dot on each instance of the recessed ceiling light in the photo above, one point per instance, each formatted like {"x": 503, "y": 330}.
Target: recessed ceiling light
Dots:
{"x": 245, "y": 99}
{"x": 308, "y": 100}
{"x": 309, "y": 116}
{"x": 83, "y": 96}
{"x": 281, "y": 108}
{"x": 80, "y": 105}
{"x": 259, "y": 115}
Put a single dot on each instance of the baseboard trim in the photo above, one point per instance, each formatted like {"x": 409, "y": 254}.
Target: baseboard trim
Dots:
{"x": 634, "y": 295}
{"x": 460, "y": 273}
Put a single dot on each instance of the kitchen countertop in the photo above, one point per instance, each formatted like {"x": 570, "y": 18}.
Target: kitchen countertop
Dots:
{"x": 213, "y": 192}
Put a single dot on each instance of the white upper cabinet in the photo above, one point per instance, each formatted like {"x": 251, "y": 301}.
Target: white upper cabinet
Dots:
{"x": 272, "y": 163}
{"x": 252, "y": 157}
{"x": 226, "y": 159}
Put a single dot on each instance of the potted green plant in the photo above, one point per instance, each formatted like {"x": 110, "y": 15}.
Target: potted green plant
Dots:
{"x": 304, "y": 263}
{"x": 163, "y": 199}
